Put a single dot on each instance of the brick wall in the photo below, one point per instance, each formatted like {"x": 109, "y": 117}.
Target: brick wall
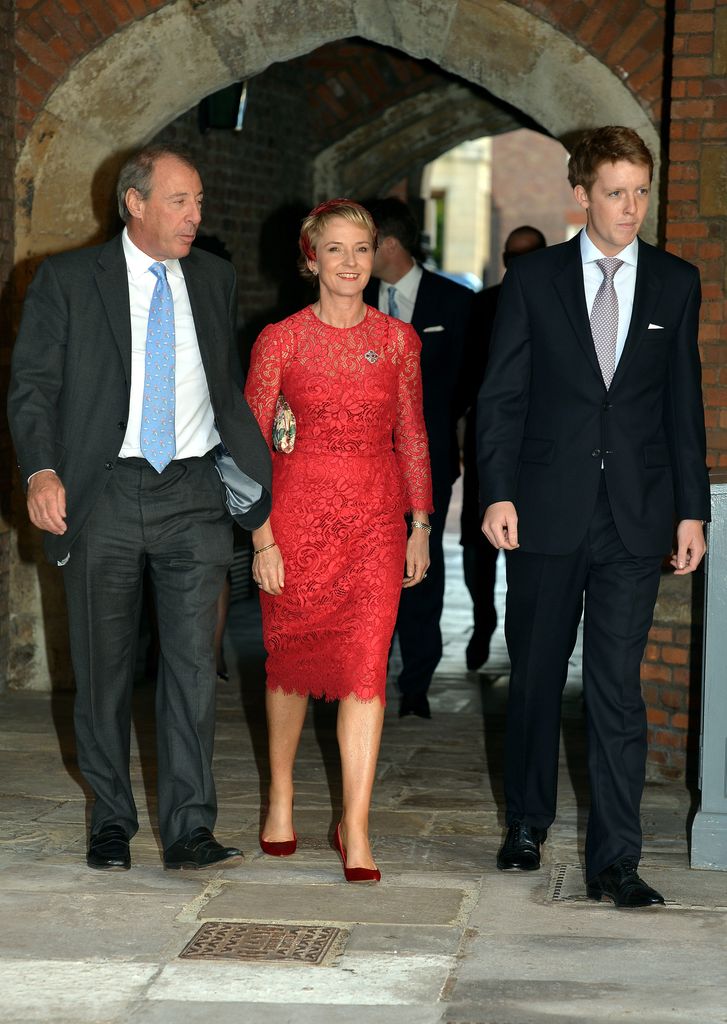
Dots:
{"x": 257, "y": 188}
{"x": 697, "y": 188}
{"x": 7, "y": 162}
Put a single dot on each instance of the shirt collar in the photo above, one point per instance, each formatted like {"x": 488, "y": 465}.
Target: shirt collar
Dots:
{"x": 138, "y": 262}
{"x": 409, "y": 283}
{"x": 590, "y": 252}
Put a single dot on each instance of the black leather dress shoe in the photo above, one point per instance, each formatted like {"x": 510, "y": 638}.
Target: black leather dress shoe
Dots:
{"x": 521, "y": 849}
{"x": 418, "y": 705}
{"x": 622, "y": 884}
{"x": 108, "y": 849}
{"x": 200, "y": 849}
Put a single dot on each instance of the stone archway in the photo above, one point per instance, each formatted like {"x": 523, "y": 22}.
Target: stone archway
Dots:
{"x": 150, "y": 71}
{"x": 140, "y": 78}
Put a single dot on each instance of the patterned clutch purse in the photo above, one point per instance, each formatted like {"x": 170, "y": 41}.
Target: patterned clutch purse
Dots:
{"x": 283, "y": 427}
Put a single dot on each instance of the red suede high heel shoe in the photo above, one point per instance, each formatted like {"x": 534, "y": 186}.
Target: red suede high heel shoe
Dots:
{"x": 354, "y": 874}
{"x": 284, "y": 849}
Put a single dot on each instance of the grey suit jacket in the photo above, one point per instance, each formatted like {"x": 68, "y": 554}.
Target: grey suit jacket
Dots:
{"x": 71, "y": 374}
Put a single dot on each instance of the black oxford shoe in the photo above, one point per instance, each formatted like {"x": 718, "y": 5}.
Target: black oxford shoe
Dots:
{"x": 521, "y": 849}
{"x": 200, "y": 849}
{"x": 108, "y": 849}
{"x": 622, "y": 884}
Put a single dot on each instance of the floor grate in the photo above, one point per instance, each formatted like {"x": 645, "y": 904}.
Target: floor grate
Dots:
{"x": 268, "y": 943}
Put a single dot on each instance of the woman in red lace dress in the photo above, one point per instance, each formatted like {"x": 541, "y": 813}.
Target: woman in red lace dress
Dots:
{"x": 331, "y": 558}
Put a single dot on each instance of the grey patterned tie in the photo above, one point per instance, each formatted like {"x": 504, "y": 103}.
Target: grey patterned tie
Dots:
{"x": 604, "y": 318}
{"x": 393, "y": 304}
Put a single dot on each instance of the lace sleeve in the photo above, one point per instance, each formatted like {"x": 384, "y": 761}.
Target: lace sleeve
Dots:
{"x": 410, "y": 434}
{"x": 262, "y": 386}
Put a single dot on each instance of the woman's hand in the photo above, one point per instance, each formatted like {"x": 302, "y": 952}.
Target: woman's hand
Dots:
{"x": 417, "y": 557}
{"x": 268, "y": 570}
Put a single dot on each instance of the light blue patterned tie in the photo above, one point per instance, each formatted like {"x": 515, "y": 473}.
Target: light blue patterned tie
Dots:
{"x": 393, "y": 304}
{"x": 158, "y": 442}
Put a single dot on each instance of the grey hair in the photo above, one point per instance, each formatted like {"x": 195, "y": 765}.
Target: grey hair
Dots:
{"x": 137, "y": 171}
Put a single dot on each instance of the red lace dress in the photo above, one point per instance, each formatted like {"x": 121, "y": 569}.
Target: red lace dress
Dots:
{"x": 360, "y": 461}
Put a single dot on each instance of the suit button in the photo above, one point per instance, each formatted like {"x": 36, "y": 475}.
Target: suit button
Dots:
{"x": 607, "y": 406}
{"x": 121, "y": 425}
{"x": 109, "y": 465}
{"x": 596, "y": 452}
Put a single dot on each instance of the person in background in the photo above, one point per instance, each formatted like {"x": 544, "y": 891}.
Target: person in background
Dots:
{"x": 479, "y": 558}
{"x": 439, "y": 310}
{"x": 329, "y": 561}
{"x": 591, "y": 445}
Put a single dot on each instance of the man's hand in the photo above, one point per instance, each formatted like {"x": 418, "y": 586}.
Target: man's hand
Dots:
{"x": 47, "y": 502}
{"x": 690, "y": 547}
{"x": 500, "y": 525}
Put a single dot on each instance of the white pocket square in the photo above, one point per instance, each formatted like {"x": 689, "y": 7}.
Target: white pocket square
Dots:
{"x": 655, "y": 327}
{"x": 431, "y": 330}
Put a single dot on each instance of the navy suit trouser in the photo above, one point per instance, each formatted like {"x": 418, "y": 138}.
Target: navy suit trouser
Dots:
{"x": 546, "y": 595}
{"x": 420, "y": 609}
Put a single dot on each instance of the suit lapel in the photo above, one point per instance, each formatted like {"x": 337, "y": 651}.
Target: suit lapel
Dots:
{"x": 569, "y": 286}
{"x": 646, "y": 295}
{"x": 113, "y": 285}
{"x": 421, "y": 316}
{"x": 199, "y": 301}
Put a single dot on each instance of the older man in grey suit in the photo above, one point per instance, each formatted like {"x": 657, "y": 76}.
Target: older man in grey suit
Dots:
{"x": 125, "y": 380}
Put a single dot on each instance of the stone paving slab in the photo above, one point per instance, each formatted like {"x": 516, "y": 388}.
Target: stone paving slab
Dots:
{"x": 172, "y": 1012}
{"x": 395, "y": 940}
{"x": 92, "y": 926}
{"x": 64, "y": 992}
{"x": 368, "y": 980}
{"x": 252, "y": 901}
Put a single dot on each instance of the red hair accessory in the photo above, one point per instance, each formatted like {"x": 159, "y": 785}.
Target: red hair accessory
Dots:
{"x": 327, "y": 206}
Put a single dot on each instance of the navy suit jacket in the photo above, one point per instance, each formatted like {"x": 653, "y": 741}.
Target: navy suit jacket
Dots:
{"x": 71, "y": 377}
{"x": 546, "y": 423}
{"x": 440, "y": 318}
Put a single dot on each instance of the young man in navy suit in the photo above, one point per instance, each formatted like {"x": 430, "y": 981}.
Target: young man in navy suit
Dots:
{"x": 591, "y": 446}
{"x": 125, "y": 379}
{"x": 439, "y": 311}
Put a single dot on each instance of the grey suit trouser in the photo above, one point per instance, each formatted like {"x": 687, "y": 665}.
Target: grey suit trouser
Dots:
{"x": 175, "y": 523}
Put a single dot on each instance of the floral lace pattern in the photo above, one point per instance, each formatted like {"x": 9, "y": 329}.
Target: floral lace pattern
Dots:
{"x": 360, "y": 461}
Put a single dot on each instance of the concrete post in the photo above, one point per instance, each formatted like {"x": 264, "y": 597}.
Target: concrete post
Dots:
{"x": 709, "y": 830}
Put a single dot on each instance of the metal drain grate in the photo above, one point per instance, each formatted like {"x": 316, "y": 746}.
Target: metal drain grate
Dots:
{"x": 566, "y": 884}
{"x": 269, "y": 943}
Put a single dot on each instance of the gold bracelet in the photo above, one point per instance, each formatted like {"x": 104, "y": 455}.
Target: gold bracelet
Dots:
{"x": 259, "y": 551}
{"x": 417, "y": 525}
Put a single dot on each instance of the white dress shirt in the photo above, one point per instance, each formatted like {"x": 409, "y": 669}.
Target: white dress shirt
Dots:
{"x": 406, "y": 293}
{"x": 624, "y": 282}
{"x": 194, "y": 425}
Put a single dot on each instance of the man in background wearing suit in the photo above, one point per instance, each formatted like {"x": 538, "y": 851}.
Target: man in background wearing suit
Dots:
{"x": 591, "y": 446}
{"x": 438, "y": 309}
{"x": 479, "y": 558}
{"x": 125, "y": 379}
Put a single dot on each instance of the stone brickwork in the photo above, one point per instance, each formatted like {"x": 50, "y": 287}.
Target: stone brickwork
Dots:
{"x": 251, "y": 175}
{"x": 7, "y": 172}
{"x": 696, "y": 221}
{"x": 671, "y": 677}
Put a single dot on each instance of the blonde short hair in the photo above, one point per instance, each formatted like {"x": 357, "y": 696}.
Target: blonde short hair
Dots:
{"x": 317, "y": 221}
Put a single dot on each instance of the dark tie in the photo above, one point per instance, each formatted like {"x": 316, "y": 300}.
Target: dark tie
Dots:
{"x": 604, "y": 318}
{"x": 158, "y": 442}
{"x": 393, "y": 304}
